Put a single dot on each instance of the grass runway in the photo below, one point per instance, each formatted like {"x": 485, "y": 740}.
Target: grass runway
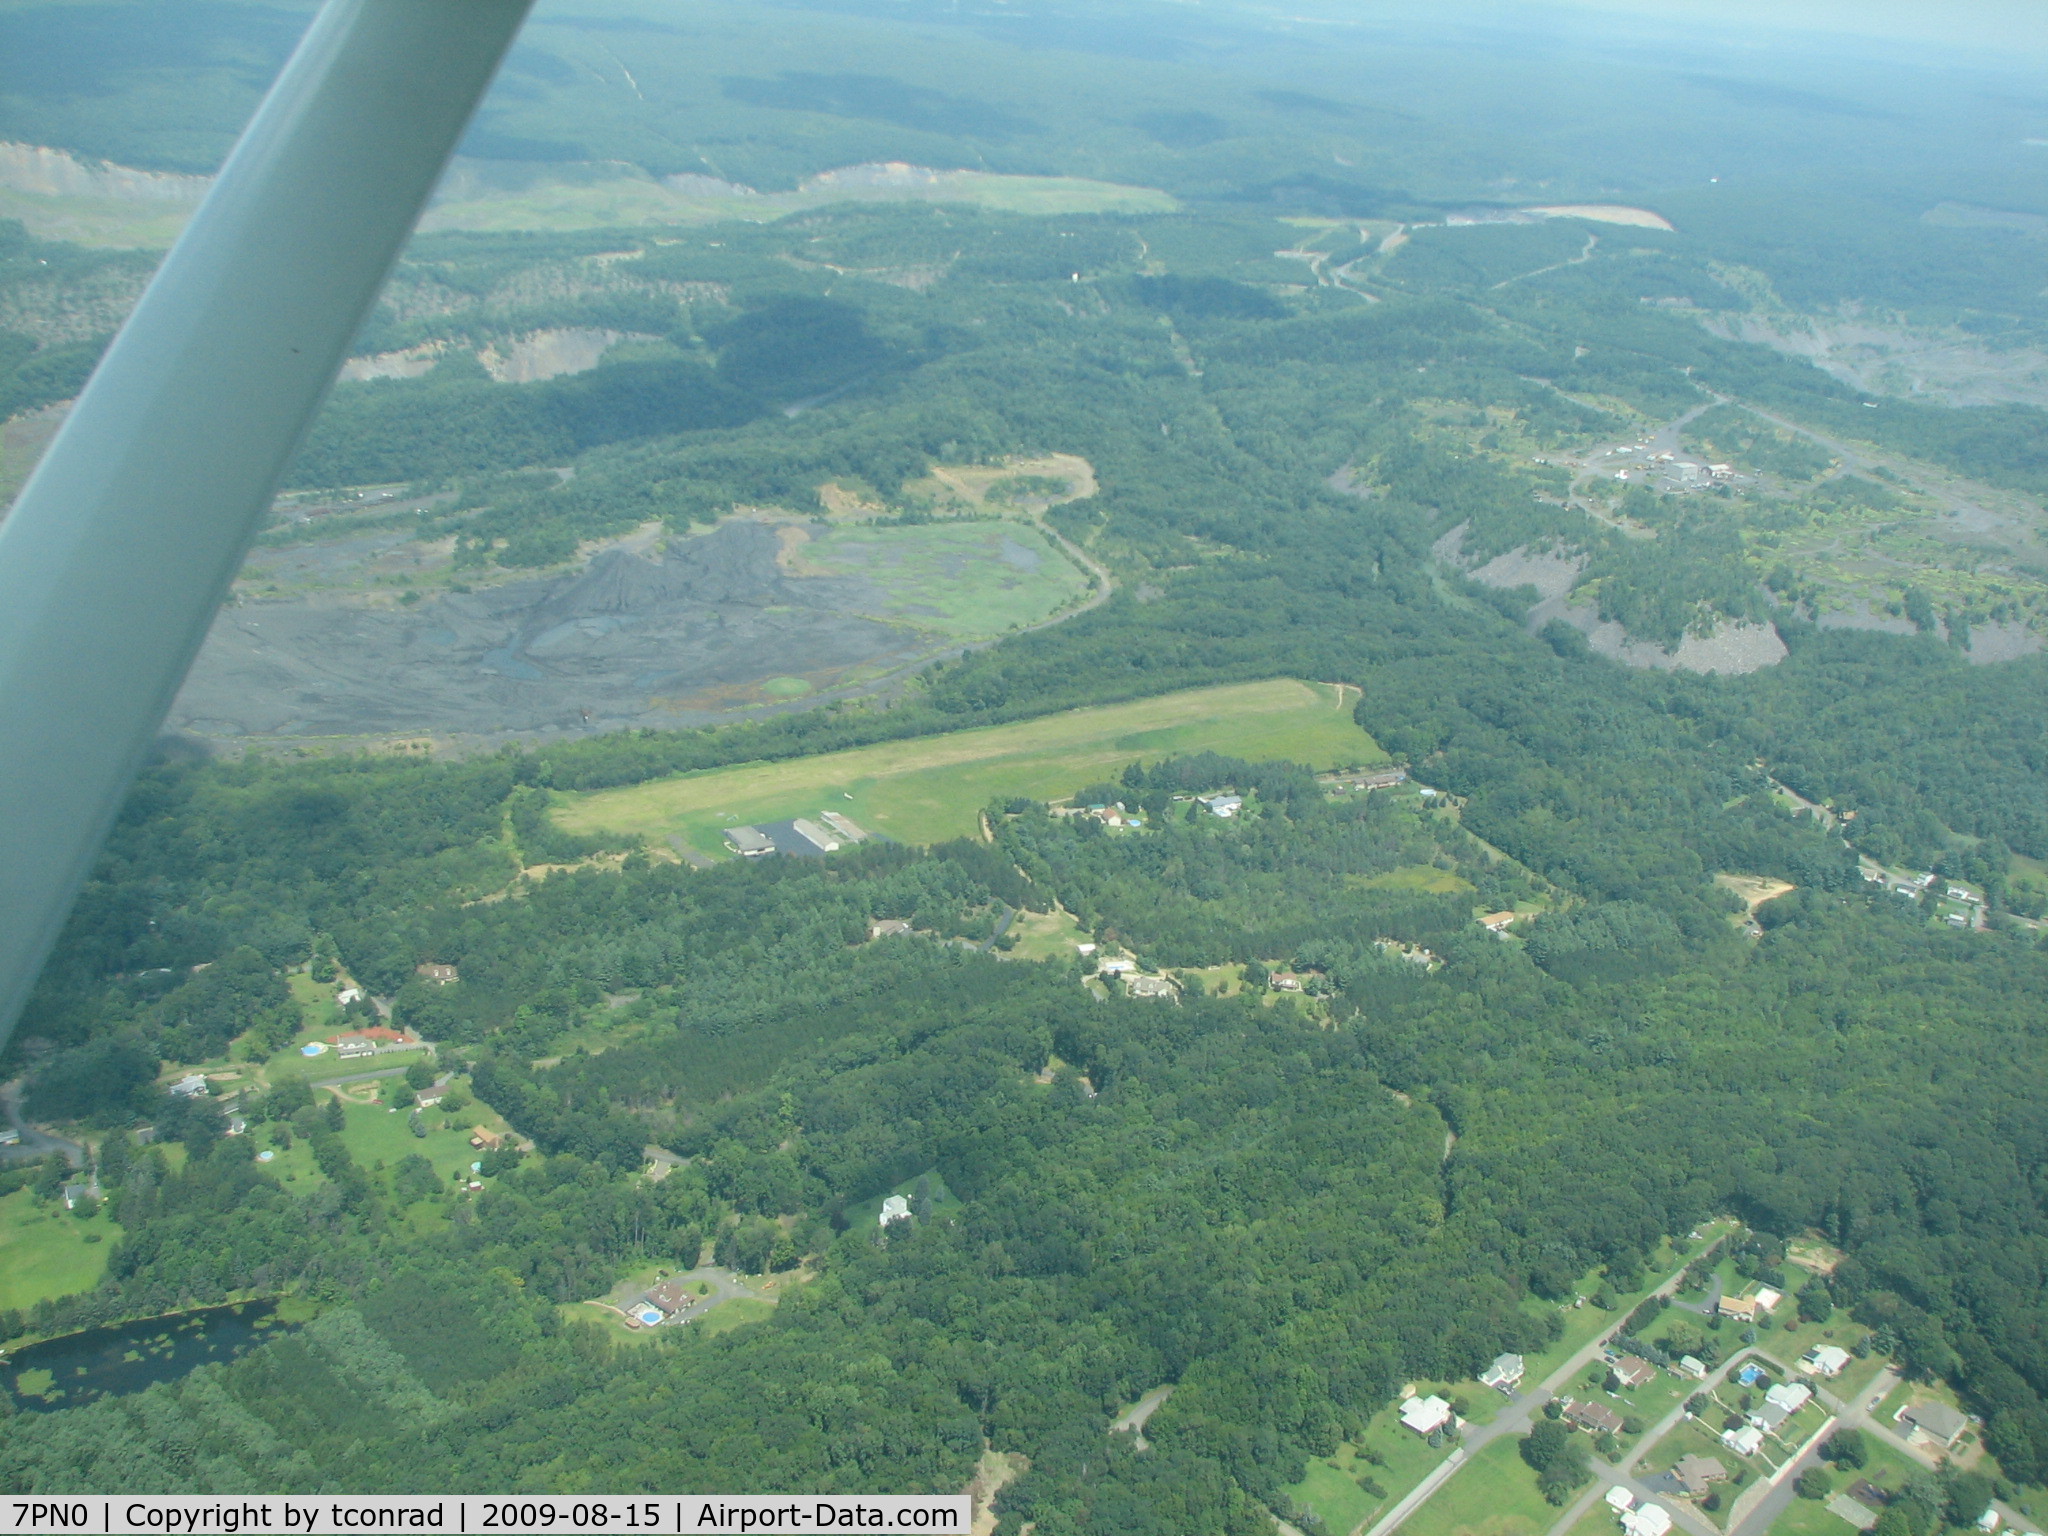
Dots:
{"x": 931, "y": 788}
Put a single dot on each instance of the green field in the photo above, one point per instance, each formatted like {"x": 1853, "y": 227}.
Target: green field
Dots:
{"x": 627, "y": 200}
{"x": 1493, "y": 1494}
{"x": 44, "y": 1252}
{"x": 970, "y": 579}
{"x": 863, "y": 1216}
{"x": 933, "y": 787}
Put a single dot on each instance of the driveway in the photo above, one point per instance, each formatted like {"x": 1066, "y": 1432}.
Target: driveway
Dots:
{"x": 34, "y": 1143}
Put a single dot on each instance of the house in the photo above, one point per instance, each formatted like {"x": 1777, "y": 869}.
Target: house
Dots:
{"x": 1505, "y": 1374}
{"x": 1497, "y": 922}
{"x": 1939, "y": 1422}
{"x": 1698, "y": 1473}
{"x": 1990, "y": 1520}
{"x": 73, "y": 1193}
{"x": 431, "y": 1097}
{"x": 1633, "y": 1370}
{"x": 191, "y": 1086}
{"x": 348, "y": 995}
{"x": 485, "y": 1140}
{"x": 1746, "y": 1441}
{"x": 1286, "y": 981}
{"x": 1593, "y": 1418}
{"x": 1224, "y": 805}
{"x": 1150, "y": 986}
{"x": 1648, "y": 1520}
{"x": 1426, "y": 1415}
{"x": 349, "y": 1047}
{"x": 1825, "y": 1359}
{"x": 887, "y": 927}
{"x": 1743, "y": 1308}
{"x": 439, "y": 975}
{"x": 670, "y": 1297}
{"x": 1620, "y": 1500}
{"x": 749, "y": 842}
{"x": 1790, "y": 1396}
{"x": 1693, "y": 1366}
{"x": 1383, "y": 778}
{"x": 895, "y": 1208}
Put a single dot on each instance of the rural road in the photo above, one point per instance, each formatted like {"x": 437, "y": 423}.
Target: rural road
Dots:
{"x": 34, "y": 1143}
{"x": 1515, "y": 1419}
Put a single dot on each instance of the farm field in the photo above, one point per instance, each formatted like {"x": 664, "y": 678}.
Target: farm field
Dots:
{"x": 44, "y": 1251}
{"x": 934, "y": 787}
{"x": 1494, "y": 1494}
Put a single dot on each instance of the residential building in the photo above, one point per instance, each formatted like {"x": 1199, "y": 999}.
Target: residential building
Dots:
{"x": 1647, "y": 1520}
{"x": 671, "y": 1296}
{"x": 439, "y": 975}
{"x": 190, "y": 1086}
{"x": 348, "y": 995}
{"x": 1593, "y": 1418}
{"x": 349, "y": 1047}
{"x": 1633, "y": 1371}
{"x": 1286, "y": 981}
{"x": 1505, "y": 1374}
{"x": 1939, "y": 1422}
{"x": 1746, "y": 1441}
{"x": 895, "y": 1208}
{"x": 1426, "y": 1415}
{"x": 1497, "y": 922}
{"x": 1620, "y": 1500}
{"x": 1150, "y": 986}
{"x": 1224, "y": 805}
{"x": 485, "y": 1140}
{"x": 1693, "y": 1366}
{"x": 73, "y": 1193}
{"x": 1698, "y": 1473}
{"x": 1790, "y": 1396}
{"x": 1825, "y": 1359}
{"x": 1740, "y": 1307}
{"x": 887, "y": 927}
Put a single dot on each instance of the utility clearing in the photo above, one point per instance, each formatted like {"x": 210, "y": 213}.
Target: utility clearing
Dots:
{"x": 932, "y": 788}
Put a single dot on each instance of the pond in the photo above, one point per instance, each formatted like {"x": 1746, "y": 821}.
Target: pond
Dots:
{"x": 127, "y": 1357}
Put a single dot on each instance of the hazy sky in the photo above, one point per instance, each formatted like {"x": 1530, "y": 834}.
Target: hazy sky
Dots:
{"x": 2003, "y": 26}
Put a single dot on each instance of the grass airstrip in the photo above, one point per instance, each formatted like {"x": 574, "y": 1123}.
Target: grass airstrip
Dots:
{"x": 931, "y": 788}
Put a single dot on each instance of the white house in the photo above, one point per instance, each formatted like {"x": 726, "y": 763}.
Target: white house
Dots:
{"x": 190, "y": 1086}
{"x": 1826, "y": 1359}
{"x": 1693, "y": 1366}
{"x": 1790, "y": 1396}
{"x": 1647, "y": 1520}
{"x": 1224, "y": 805}
{"x": 1746, "y": 1441}
{"x": 1505, "y": 1374}
{"x": 1426, "y": 1415}
{"x": 349, "y": 995}
{"x": 895, "y": 1208}
{"x": 1620, "y": 1500}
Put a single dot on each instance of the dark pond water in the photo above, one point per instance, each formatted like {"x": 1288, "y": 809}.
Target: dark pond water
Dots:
{"x": 126, "y": 1357}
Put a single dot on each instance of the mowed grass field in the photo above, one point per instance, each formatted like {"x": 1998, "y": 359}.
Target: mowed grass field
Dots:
{"x": 931, "y": 788}
{"x": 1494, "y": 1494}
{"x": 44, "y": 1252}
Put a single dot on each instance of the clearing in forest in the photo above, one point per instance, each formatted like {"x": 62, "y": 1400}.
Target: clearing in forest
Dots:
{"x": 931, "y": 788}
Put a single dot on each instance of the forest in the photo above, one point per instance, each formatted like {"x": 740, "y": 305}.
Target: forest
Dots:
{"x": 1284, "y": 1204}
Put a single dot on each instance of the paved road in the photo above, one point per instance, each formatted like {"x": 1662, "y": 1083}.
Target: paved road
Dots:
{"x": 1514, "y": 1419}
{"x": 34, "y": 1143}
